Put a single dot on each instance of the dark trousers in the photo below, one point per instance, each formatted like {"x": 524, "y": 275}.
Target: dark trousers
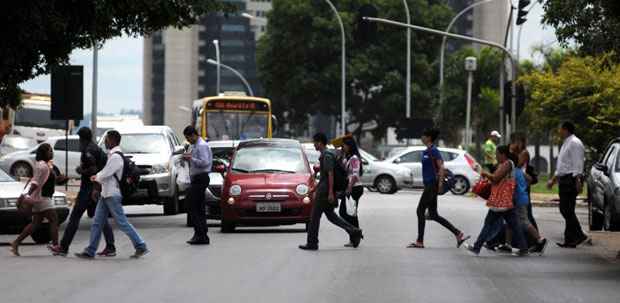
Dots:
{"x": 429, "y": 201}
{"x": 568, "y": 200}
{"x": 83, "y": 202}
{"x": 321, "y": 206}
{"x": 197, "y": 207}
{"x": 489, "y": 230}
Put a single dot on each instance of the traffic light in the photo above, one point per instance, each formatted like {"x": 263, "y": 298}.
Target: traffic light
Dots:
{"x": 522, "y": 13}
{"x": 508, "y": 98}
{"x": 365, "y": 31}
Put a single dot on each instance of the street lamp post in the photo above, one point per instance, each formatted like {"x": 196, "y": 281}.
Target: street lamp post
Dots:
{"x": 343, "y": 69}
{"x": 443, "y": 45}
{"x": 470, "y": 67}
{"x": 408, "y": 85}
{"x": 93, "y": 111}
{"x": 216, "y": 43}
{"x": 234, "y": 71}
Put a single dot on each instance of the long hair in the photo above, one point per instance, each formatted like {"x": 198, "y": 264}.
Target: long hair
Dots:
{"x": 350, "y": 142}
{"x": 43, "y": 152}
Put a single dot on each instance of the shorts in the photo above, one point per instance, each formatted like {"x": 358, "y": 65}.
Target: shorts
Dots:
{"x": 522, "y": 214}
{"x": 43, "y": 205}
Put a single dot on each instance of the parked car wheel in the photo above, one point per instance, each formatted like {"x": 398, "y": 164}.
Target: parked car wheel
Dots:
{"x": 227, "y": 226}
{"x": 611, "y": 221}
{"x": 42, "y": 234}
{"x": 385, "y": 184}
{"x": 171, "y": 205}
{"x": 461, "y": 185}
{"x": 21, "y": 170}
{"x": 596, "y": 218}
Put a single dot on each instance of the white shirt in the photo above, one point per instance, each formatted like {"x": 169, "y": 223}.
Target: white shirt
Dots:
{"x": 571, "y": 157}
{"x": 114, "y": 166}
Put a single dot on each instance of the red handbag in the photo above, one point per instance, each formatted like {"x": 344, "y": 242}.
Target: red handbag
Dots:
{"x": 502, "y": 194}
{"x": 482, "y": 189}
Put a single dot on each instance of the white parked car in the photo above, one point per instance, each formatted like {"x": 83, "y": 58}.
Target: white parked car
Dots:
{"x": 385, "y": 177}
{"x": 20, "y": 164}
{"x": 462, "y": 164}
{"x": 12, "y": 144}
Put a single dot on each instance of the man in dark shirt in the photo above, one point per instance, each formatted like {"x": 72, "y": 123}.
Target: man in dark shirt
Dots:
{"x": 325, "y": 199}
{"x": 92, "y": 160}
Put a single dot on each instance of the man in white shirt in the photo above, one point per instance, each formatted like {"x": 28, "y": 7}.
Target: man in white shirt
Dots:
{"x": 111, "y": 201}
{"x": 568, "y": 175}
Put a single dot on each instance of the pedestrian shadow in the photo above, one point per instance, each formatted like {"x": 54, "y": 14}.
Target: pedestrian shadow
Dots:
{"x": 269, "y": 231}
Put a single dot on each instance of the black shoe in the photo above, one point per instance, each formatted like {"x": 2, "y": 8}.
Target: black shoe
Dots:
{"x": 521, "y": 253}
{"x": 356, "y": 238}
{"x": 566, "y": 245}
{"x": 582, "y": 240}
{"x": 504, "y": 248}
{"x": 196, "y": 241}
{"x": 140, "y": 252}
{"x": 309, "y": 247}
{"x": 489, "y": 247}
{"x": 460, "y": 239}
{"x": 539, "y": 248}
{"x": 84, "y": 255}
{"x": 471, "y": 249}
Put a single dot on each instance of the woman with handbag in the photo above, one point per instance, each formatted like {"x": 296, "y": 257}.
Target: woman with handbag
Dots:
{"x": 501, "y": 204}
{"x": 352, "y": 162}
{"x": 39, "y": 195}
{"x": 433, "y": 174}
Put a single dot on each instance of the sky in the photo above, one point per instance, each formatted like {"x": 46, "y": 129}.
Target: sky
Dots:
{"x": 120, "y": 67}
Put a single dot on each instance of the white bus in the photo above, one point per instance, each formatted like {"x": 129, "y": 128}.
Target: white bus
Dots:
{"x": 33, "y": 119}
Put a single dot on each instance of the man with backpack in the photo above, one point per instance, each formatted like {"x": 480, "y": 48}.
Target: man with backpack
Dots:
{"x": 115, "y": 179}
{"x": 324, "y": 197}
{"x": 92, "y": 160}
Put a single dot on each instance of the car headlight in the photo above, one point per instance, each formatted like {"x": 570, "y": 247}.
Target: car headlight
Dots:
{"x": 235, "y": 190}
{"x": 11, "y": 203}
{"x": 159, "y": 169}
{"x": 60, "y": 200}
{"x": 302, "y": 189}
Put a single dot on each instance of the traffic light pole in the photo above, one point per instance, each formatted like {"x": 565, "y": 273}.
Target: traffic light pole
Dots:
{"x": 513, "y": 123}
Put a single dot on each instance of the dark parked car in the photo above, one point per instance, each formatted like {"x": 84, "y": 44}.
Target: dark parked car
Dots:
{"x": 604, "y": 190}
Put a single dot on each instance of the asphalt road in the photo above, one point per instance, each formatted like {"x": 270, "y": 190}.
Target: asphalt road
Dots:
{"x": 265, "y": 265}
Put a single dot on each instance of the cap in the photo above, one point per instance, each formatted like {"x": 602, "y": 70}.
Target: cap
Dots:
{"x": 496, "y": 134}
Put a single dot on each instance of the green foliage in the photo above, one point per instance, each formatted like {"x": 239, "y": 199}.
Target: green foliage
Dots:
{"x": 299, "y": 61}
{"x": 39, "y": 34}
{"x": 584, "y": 90}
{"x": 594, "y": 25}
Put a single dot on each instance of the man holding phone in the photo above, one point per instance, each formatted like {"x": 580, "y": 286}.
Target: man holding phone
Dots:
{"x": 200, "y": 159}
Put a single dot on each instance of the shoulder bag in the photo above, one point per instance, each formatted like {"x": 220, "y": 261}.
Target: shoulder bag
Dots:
{"x": 501, "y": 198}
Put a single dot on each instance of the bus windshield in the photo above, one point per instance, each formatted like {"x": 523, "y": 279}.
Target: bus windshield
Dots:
{"x": 225, "y": 125}
{"x": 37, "y": 117}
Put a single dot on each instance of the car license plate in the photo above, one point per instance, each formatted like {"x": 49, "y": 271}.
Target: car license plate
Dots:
{"x": 268, "y": 207}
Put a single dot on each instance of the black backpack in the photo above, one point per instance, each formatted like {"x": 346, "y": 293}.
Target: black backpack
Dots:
{"x": 341, "y": 178}
{"x": 100, "y": 158}
{"x": 128, "y": 184}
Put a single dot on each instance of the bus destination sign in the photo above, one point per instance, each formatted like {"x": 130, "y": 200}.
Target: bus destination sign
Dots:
{"x": 241, "y": 105}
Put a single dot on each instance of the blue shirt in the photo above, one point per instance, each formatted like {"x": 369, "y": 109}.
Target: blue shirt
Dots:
{"x": 520, "y": 196}
{"x": 201, "y": 158}
{"x": 429, "y": 172}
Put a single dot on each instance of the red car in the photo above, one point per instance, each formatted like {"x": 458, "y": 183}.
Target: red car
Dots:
{"x": 267, "y": 184}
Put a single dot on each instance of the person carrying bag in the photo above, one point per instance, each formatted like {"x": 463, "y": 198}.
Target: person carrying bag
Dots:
{"x": 501, "y": 204}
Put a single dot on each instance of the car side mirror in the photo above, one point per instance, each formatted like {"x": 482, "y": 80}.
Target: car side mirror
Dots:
{"x": 602, "y": 167}
{"x": 364, "y": 162}
{"x": 397, "y": 160}
{"x": 219, "y": 168}
{"x": 178, "y": 150}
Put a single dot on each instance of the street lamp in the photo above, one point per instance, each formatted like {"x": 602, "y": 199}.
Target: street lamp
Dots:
{"x": 470, "y": 67}
{"x": 343, "y": 69}
{"x": 234, "y": 71}
{"x": 216, "y": 43}
{"x": 443, "y": 44}
{"x": 408, "y": 85}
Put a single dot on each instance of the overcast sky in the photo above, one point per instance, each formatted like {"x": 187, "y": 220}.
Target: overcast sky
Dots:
{"x": 120, "y": 67}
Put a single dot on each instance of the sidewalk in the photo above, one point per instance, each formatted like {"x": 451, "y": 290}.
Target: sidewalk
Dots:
{"x": 552, "y": 200}
{"x": 607, "y": 244}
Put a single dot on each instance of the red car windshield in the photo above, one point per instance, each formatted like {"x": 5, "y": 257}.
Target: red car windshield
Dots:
{"x": 269, "y": 159}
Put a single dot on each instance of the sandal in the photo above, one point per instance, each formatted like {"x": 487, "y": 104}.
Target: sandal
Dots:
{"x": 460, "y": 239}
{"x": 416, "y": 245}
{"x": 14, "y": 249}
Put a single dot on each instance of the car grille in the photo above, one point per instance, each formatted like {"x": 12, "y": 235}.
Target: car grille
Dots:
{"x": 286, "y": 212}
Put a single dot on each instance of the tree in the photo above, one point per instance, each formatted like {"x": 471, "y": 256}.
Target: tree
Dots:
{"x": 299, "y": 61}
{"x": 38, "y": 35}
{"x": 594, "y": 25}
{"x": 584, "y": 90}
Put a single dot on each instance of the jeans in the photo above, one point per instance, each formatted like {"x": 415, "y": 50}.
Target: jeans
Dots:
{"x": 197, "y": 207}
{"x": 106, "y": 206}
{"x": 568, "y": 200}
{"x": 490, "y": 228}
{"x": 323, "y": 206}
{"x": 82, "y": 203}
{"x": 429, "y": 201}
